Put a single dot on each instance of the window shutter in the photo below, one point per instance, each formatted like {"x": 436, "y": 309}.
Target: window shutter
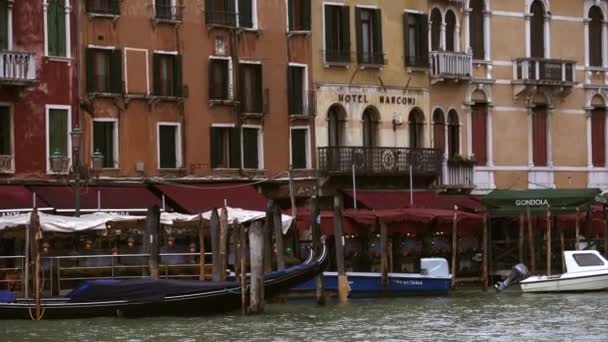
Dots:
{"x": 378, "y": 56}
{"x": 209, "y": 11}
{"x": 229, "y": 13}
{"x": 291, "y": 90}
{"x": 243, "y": 88}
{"x": 212, "y": 78}
{"x": 423, "y": 53}
{"x": 61, "y": 29}
{"x": 598, "y": 137}
{"x": 115, "y": 6}
{"x": 360, "y": 58}
{"x": 476, "y": 29}
{"x": 479, "y": 132}
{"x": 406, "y": 42}
{"x": 235, "y": 148}
{"x": 216, "y": 146}
{"x": 116, "y": 71}
{"x": 58, "y": 131}
{"x": 51, "y": 25}
{"x": 5, "y": 131}
{"x": 298, "y": 91}
{"x": 537, "y": 30}
{"x": 331, "y": 44}
{"x": 539, "y": 132}
{"x": 345, "y": 34}
{"x": 245, "y": 13}
{"x": 156, "y": 62}
{"x": 166, "y": 136}
{"x": 3, "y": 25}
{"x": 298, "y": 149}
{"x": 177, "y": 76}
{"x": 250, "y": 148}
{"x": 291, "y": 15}
{"x": 260, "y": 98}
{"x": 90, "y": 60}
{"x": 108, "y": 156}
{"x": 305, "y": 11}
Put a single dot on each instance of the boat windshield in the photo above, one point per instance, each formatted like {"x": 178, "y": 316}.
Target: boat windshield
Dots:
{"x": 587, "y": 259}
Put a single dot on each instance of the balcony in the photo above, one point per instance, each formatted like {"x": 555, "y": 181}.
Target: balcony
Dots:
{"x": 451, "y": 65}
{"x": 167, "y": 13}
{"x": 17, "y": 68}
{"x": 458, "y": 175}
{"x": 6, "y": 164}
{"x": 534, "y": 72}
{"x": 379, "y": 161}
{"x": 220, "y": 18}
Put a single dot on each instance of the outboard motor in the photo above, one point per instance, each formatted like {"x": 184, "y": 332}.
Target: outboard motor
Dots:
{"x": 518, "y": 273}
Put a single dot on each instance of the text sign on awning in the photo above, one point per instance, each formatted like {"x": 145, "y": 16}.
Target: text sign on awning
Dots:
{"x": 558, "y": 201}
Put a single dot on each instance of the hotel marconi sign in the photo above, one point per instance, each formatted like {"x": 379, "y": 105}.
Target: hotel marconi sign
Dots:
{"x": 377, "y": 99}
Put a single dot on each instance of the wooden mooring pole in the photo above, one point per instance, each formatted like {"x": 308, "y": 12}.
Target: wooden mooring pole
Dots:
{"x": 606, "y": 231}
{"x": 577, "y": 229}
{"x": 223, "y": 243}
{"x": 548, "y": 241}
{"x": 201, "y": 241}
{"x": 343, "y": 287}
{"x": 562, "y": 247}
{"x": 316, "y": 246}
{"x": 521, "y": 237}
{"x": 531, "y": 241}
{"x": 268, "y": 232}
{"x": 242, "y": 274}
{"x": 256, "y": 252}
{"x": 35, "y": 237}
{"x": 384, "y": 255}
{"x": 278, "y": 236}
{"x": 214, "y": 233}
{"x": 454, "y": 245}
{"x": 484, "y": 271}
{"x": 153, "y": 240}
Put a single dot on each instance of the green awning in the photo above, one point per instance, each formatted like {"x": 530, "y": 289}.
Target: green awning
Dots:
{"x": 559, "y": 201}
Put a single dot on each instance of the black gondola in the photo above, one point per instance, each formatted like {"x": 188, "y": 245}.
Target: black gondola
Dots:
{"x": 153, "y": 297}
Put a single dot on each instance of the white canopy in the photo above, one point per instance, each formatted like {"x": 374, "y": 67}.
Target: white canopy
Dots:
{"x": 246, "y": 216}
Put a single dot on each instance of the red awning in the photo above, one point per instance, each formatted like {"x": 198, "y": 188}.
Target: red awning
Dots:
{"x": 421, "y": 199}
{"x": 18, "y": 198}
{"x": 195, "y": 199}
{"x": 99, "y": 198}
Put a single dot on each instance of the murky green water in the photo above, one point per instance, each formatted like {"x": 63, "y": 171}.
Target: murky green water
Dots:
{"x": 463, "y": 316}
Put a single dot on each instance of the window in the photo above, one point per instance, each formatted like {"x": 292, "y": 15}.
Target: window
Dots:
{"x": 436, "y": 23}
{"x": 104, "y": 71}
{"x": 598, "y": 137}
{"x": 169, "y": 142}
{"x": 453, "y": 134}
{"x": 299, "y": 15}
{"x": 369, "y": 127}
{"x": 58, "y": 127}
{"x": 109, "y": 7}
{"x": 5, "y": 131}
{"x": 337, "y": 34}
{"x": 252, "y": 139}
{"x": 220, "y": 86}
{"x": 369, "y": 36}
{"x": 56, "y": 28}
{"x": 439, "y": 130}
{"x": 537, "y": 30}
{"x": 247, "y": 12}
{"x": 587, "y": 259}
{"x": 168, "y": 75}
{"x": 297, "y": 89}
{"x": 220, "y": 12}
{"x": 596, "y": 43}
{"x": 416, "y": 123}
{"x": 477, "y": 29}
{"x": 479, "y": 119}
{"x": 450, "y": 31}
{"x": 104, "y": 141}
{"x": 250, "y": 85}
{"x": 539, "y": 135}
{"x": 225, "y": 148}
{"x": 167, "y": 10}
{"x": 299, "y": 148}
{"x": 4, "y": 29}
{"x": 335, "y": 126}
{"x": 415, "y": 28}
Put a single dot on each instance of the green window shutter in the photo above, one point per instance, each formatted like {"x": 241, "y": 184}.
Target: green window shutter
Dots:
{"x": 235, "y": 148}
{"x": 177, "y": 76}
{"x": 423, "y": 41}
{"x": 58, "y": 131}
{"x": 259, "y": 90}
{"x": 359, "y": 34}
{"x": 291, "y": 15}
{"x": 345, "y": 34}
{"x": 51, "y": 28}
{"x": 103, "y": 141}
{"x": 245, "y": 13}
{"x": 167, "y": 136}
{"x": 305, "y": 14}
{"x": 291, "y": 102}
{"x": 216, "y": 145}
{"x": 115, "y": 7}
{"x": 229, "y": 13}
{"x": 378, "y": 48}
{"x": 156, "y": 60}
{"x": 298, "y": 149}
{"x": 296, "y": 103}
{"x": 5, "y": 131}
{"x": 208, "y": 11}
{"x": 61, "y": 28}
{"x": 406, "y": 42}
{"x": 3, "y": 25}
{"x": 116, "y": 71}
{"x": 331, "y": 44}
{"x": 213, "y": 90}
{"x": 250, "y": 148}
{"x": 90, "y": 61}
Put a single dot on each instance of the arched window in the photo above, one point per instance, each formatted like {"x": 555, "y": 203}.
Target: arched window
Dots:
{"x": 595, "y": 37}
{"x": 436, "y": 30}
{"x": 476, "y": 29}
{"x": 439, "y": 129}
{"x": 598, "y": 132}
{"x": 369, "y": 127}
{"x": 453, "y": 134}
{"x": 537, "y": 30}
{"x": 479, "y": 120}
{"x": 416, "y": 124}
{"x": 539, "y": 135}
{"x": 450, "y": 31}
{"x": 334, "y": 126}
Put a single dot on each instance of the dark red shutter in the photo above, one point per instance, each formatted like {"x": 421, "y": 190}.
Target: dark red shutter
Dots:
{"x": 479, "y": 123}
{"x": 539, "y": 136}
{"x": 598, "y": 137}
{"x": 537, "y": 26}
{"x": 439, "y": 130}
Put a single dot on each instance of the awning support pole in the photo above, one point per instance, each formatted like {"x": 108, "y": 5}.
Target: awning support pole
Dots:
{"x": 214, "y": 233}
{"x": 201, "y": 241}
{"x": 316, "y": 244}
{"x": 268, "y": 231}
{"x": 242, "y": 274}
{"x": 384, "y": 254}
{"x": 605, "y": 231}
{"x": 521, "y": 238}
{"x": 484, "y": 272}
{"x": 223, "y": 243}
{"x": 278, "y": 236}
{"x": 531, "y": 241}
{"x": 152, "y": 235}
{"x": 354, "y": 188}
{"x": 548, "y": 241}
{"x": 454, "y": 245}
{"x": 343, "y": 287}
{"x": 26, "y": 268}
{"x": 562, "y": 245}
{"x": 577, "y": 228}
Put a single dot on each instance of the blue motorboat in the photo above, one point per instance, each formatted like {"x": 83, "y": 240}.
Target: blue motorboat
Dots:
{"x": 434, "y": 279}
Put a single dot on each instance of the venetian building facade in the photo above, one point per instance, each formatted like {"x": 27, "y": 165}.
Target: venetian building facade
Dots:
{"x": 519, "y": 87}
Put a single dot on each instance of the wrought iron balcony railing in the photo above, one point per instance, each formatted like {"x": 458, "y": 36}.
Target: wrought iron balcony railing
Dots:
{"x": 451, "y": 65}
{"x": 17, "y": 67}
{"x": 545, "y": 71}
{"x": 167, "y": 12}
{"x": 378, "y": 161}
{"x": 459, "y": 175}
{"x": 221, "y": 18}
{"x": 103, "y": 7}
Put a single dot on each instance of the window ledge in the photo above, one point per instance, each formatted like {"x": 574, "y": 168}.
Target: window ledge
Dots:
{"x": 300, "y": 117}
{"x": 252, "y": 115}
{"x": 167, "y": 21}
{"x": 93, "y": 15}
{"x": 258, "y": 31}
{"x": 371, "y": 66}
{"x": 59, "y": 59}
{"x": 344, "y": 65}
{"x": 417, "y": 69}
{"x": 596, "y": 69}
{"x": 163, "y": 98}
{"x": 172, "y": 170}
{"x": 299, "y": 33}
{"x": 104, "y": 94}
{"x": 221, "y": 103}
{"x": 482, "y": 62}
{"x": 7, "y": 172}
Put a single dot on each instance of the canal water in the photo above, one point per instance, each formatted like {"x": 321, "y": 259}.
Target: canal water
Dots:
{"x": 465, "y": 315}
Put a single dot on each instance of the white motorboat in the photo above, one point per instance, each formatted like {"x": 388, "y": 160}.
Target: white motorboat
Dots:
{"x": 585, "y": 271}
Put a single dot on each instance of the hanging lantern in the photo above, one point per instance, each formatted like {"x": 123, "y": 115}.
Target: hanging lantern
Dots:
{"x": 192, "y": 247}
{"x": 88, "y": 244}
{"x": 45, "y": 247}
{"x": 114, "y": 251}
{"x": 75, "y": 135}
{"x": 130, "y": 242}
{"x": 170, "y": 241}
{"x": 57, "y": 161}
{"x": 97, "y": 161}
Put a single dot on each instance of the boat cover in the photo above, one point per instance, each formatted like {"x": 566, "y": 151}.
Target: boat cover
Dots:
{"x": 7, "y": 297}
{"x": 141, "y": 290}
